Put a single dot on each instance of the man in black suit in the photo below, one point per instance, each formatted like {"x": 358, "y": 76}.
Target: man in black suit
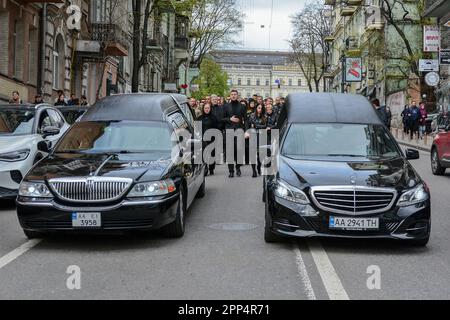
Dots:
{"x": 234, "y": 119}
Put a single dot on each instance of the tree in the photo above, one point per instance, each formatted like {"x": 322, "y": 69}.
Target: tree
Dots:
{"x": 213, "y": 22}
{"x": 311, "y": 25}
{"x": 142, "y": 11}
{"x": 211, "y": 80}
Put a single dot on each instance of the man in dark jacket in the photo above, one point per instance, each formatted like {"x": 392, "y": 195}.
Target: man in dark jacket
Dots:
{"x": 381, "y": 110}
{"x": 217, "y": 110}
{"x": 415, "y": 117}
{"x": 234, "y": 119}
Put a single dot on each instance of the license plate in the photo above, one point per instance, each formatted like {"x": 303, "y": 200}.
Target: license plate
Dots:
{"x": 354, "y": 223}
{"x": 86, "y": 220}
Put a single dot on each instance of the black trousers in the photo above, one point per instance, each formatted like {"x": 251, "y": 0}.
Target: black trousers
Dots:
{"x": 236, "y": 164}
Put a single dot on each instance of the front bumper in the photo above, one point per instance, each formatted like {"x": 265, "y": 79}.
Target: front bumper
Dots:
{"x": 405, "y": 223}
{"x": 11, "y": 174}
{"x": 145, "y": 214}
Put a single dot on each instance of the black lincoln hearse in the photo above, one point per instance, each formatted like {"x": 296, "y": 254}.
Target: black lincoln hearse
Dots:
{"x": 113, "y": 170}
{"x": 340, "y": 173}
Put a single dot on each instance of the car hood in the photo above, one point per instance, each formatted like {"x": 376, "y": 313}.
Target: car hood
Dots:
{"x": 14, "y": 143}
{"x": 117, "y": 166}
{"x": 389, "y": 173}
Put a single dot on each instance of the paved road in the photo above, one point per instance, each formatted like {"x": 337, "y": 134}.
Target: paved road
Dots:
{"x": 216, "y": 261}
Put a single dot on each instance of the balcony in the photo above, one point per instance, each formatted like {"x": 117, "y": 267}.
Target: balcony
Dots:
{"x": 354, "y": 2}
{"x": 348, "y": 11}
{"x": 329, "y": 38}
{"x": 352, "y": 47}
{"x": 115, "y": 40}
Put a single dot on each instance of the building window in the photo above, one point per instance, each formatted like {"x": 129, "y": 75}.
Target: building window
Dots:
{"x": 239, "y": 82}
{"x": 267, "y": 82}
{"x": 299, "y": 82}
{"x": 258, "y": 82}
{"x": 58, "y": 63}
{"x": 18, "y": 49}
{"x": 290, "y": 82}
{"x": 249, "y": 82}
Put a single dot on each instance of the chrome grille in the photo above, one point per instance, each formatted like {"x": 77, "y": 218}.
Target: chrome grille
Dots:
{"x": 353, "y": 199}
{"x": 90, "y": 189}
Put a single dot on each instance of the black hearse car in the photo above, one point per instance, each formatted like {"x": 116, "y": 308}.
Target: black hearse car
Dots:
{"x": 113, "y": 170}
{"x": 340, "y": 173}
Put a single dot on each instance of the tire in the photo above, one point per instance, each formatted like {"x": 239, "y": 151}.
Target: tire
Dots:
{"x": 436, "y": 167}
{"x": 176, "y": 228}
{"x": 33, "y": 234}
{"x": 202, "y": 190}
{"x": 269, "y": 236}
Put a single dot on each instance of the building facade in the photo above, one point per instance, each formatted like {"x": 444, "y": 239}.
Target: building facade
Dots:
{"x": 265, "y": 73}
{"x": 440, "y": 9}
{"x": 361, "y": 34}
{"x": 85, "y": 47}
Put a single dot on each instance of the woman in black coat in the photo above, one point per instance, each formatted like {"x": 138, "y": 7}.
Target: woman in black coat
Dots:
{"x": 256, "y": 123}
{"x": 209, "y": 121}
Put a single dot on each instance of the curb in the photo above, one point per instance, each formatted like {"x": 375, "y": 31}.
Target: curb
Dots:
{"x": 415, "y": 146}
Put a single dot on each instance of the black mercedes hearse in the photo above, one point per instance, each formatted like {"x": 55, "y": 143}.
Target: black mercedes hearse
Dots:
{"x": 340, "y": 173}
{"x": 114, "y": 170}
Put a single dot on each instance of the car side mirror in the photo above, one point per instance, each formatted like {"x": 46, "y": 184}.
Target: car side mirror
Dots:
{"x": 50, "y": 131}
{"x": 44, "y": 146}
{"x": 412, "y": 154}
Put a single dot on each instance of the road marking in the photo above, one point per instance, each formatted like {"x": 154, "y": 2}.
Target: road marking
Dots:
{"x": 303, "y": 274}
{"x": 13, "y": 255}
{"x": 330, "y": 279}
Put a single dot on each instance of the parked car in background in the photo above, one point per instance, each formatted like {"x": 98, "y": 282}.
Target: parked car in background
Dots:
{"x": 113, "y": 171}
{"x": 340, "y": 173}
{"x": 24, "y": 129}
{"x": 440, "y": 151}
{"x": 72, "y": 113}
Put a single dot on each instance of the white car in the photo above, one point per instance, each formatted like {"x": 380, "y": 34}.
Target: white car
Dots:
{"x": 24, "y": 131}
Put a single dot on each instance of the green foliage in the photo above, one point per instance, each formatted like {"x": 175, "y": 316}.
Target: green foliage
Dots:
{"x": 211, "y": 80}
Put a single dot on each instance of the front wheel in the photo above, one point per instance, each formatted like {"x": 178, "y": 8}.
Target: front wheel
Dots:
{"x": 176, "y": 228}
{"x": 436, "y": 167}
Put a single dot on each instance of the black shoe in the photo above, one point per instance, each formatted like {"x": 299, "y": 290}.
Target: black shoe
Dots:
{"x": 255, "y": 175}
{"x": 238, "y": 172}
{"x": 211, "y": 172}
{"x": 259, "y": 170}
{"x": 231, "y": 175}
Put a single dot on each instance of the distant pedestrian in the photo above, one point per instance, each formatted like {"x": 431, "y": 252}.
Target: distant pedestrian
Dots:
{"x": 257, "y": 122}
{"x": 83, "y": 101}
{"x": 38, "y": 99}
{"x": 415, "y": 117}
{"x": 422, "y": 120}
{"x": 15, "y": 98}
{"x": 381, "y": 111}
{"x": 61, "y": 100}
{"x": 73, "y": 101}
{"x": 209, "y": 121}
{"x": 388, "y": 118}
{"x": 406, "y": 119}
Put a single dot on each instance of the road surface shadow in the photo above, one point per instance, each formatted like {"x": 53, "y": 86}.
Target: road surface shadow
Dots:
{"x": 7, "y": 205}
{"x": 372, "y": 246}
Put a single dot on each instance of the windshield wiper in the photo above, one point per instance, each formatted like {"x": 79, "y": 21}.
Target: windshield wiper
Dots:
{"x": 346, "y": 155}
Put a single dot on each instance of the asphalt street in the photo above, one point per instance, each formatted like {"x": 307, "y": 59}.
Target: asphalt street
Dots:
{"x": 223, "y": 256}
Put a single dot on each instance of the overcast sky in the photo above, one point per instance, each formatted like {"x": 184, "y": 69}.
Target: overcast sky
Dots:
{"x": 258, "y": 13}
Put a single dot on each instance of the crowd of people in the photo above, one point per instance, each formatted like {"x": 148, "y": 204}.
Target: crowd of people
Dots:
{"x": 414, "y": 119}
{"x": 61, "y": 99}
{"x": 234, "y": 113}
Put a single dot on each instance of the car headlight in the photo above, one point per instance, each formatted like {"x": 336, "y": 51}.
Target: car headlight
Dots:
{"x": 288, "y": 192}
{"x": 151, "y": 189}
{"x": 413, "y": 196}
{"x": 15, "y": 155}
{"x": 34, "y": 189}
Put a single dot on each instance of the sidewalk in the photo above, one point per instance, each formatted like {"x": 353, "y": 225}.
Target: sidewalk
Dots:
{"x": 422, "y": 144}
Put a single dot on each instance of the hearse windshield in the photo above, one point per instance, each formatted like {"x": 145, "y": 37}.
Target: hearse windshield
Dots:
{"x": 306, "y": 140}
{"x": 117, "y": 137}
